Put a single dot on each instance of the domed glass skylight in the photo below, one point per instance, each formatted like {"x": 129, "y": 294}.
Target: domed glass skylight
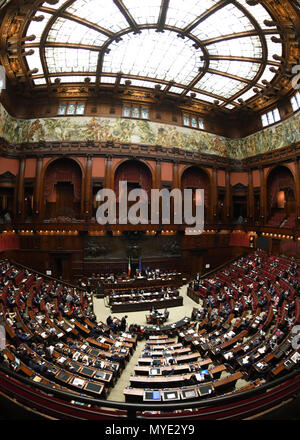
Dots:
{"x": 216, "y": 49}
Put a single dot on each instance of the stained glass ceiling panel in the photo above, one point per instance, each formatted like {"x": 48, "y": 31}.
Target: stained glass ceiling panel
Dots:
{"x": 37, "y": 27}
{"x": 273, "y": 48}
{"x": 206, "y": 98}
{"x": 146, "y": 11}
{"x": 259, "y": 12}
{"x": 34, "y": 61}
{"x": 176, "y": 89}
{"x": 102, "y": 12}
{"x": 226, "y": 21}
{"x": 219, "y": 85}
{"x": 108, "y": 79}
{"x": 63, "y": 59}
{"x": 181, "y": 12}
{"x": 68, "y": 31}
{"x": 39, "y": 81}
{"x": 247, "y": 95}
{"x": 267, "y": 75}
{"x": 249, "y": 47}
{"x": 154, "y": 55}
{"x": 244, "y": 70}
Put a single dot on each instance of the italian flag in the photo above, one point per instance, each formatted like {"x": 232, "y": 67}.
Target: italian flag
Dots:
{"x": 129, "y": 266}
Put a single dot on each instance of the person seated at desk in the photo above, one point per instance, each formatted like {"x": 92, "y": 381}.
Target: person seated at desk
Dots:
{"x": 170, "y": 360}
{"x": 155, "y": 313}
{"x": 147, "y": 354}
{"x": 166, "y": 314}
{"x": 245, "y": 360}
{"x": 166, "y": 295}
{"x": 192, "y": 380}
{"x": 228, "y": 355}
{"x": 110, "y": 322}
{"x": 77, "y": 356}
{"x": 23, "y": 336}
{"x": 85, "y": 360}
{"x": 229, "y": 335}
{"x": 203, "y": 376}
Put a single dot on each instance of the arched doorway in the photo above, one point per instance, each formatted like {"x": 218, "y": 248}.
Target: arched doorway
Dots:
{"x": 136, "y": 174}
{"x": 281, "y": 191}
{"x": 62, "y": 189}
{"x": 195, "y": 178}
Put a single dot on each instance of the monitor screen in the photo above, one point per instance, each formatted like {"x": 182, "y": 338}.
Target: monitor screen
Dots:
{"x": 102, "y": 375}
{"x": 152, "y": 395}
{"x": 87, "y": 371}
{"x": 75, "y": 366}
{"x": 205, "y": 389}
{"x": 94, "y": 352}
{"x": 278, "y": 353}
{"x": 63, "y": 375}
{"x": 92, "y": 386}
{"x": 288, "y": 363}
{"x": 188, "y": 393}
{"x": 155, "y": 371}
{"x": 52, "y": 369}
{"x": 171, "y": 395}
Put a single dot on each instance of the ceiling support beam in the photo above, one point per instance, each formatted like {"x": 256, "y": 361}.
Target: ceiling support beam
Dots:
{"x": 162, "y": 15}
{"x": 204, "y": 16}
{"x": 131, "y": 21}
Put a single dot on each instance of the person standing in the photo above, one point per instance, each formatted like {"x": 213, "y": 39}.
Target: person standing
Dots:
{"x": 123, "y": 323}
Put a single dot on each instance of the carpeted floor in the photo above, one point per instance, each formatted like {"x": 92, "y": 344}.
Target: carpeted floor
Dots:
{"x": 290, "y": 411}
{"x": 102, "y": 311}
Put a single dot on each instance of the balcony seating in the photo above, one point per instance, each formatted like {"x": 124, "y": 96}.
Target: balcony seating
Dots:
{"x": 276, "y": 220}
{"x": 289, "y": 222}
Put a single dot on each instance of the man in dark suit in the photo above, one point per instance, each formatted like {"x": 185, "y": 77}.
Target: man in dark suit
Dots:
{"x": 123, "y": 323}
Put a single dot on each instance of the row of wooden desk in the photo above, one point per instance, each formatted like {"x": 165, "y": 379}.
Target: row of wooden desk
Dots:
{"x": 116, "y": 298}
{"x": 171, "y": 372}
{"x": 143, "y": 283}
{"x": 73, "y": 382}
{"x": 186, "y": 377}
{"x": 134, "y": 306}
{"x": 183, "y": 358}
{"x": 139, "y": 394}
{"x": 166, "y": 329}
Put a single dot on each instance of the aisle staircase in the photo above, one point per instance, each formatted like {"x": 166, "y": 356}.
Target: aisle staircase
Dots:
{"x": 116, "y": 393}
